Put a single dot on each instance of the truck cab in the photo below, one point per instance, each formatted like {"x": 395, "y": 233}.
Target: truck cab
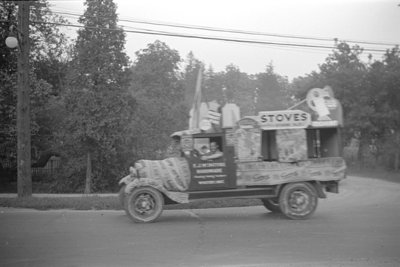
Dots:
{"x": 210, "y": 174}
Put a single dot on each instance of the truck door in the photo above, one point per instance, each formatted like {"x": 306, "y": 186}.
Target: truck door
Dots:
{"x": 211, "y": 174}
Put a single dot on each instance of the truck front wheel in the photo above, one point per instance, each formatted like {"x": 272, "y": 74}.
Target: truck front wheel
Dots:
{"x": 298, "y": 200}
{"x": 144, "y": 204}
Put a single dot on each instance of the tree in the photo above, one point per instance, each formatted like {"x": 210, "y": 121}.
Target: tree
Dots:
{"x": 47, "y": 42}
{"x": 392, "y": 108}
{"x": 159, "y": 90}
{"x": 212, "y": 83}
{"x": 155, "y": 73}
{"x": 383, "y": 81}
{"x": 238, "y": 89}
{"x": 213, "y": 86}
{"x": 42, "y": 35}
{"x": 8, "y": 68}
{"x": 272, "y": 90}
{"x": 345, "y": 72}
{"x": 97, "y": 102}
{"x": 52, "y": 48}
{"x": 359, "y": 88}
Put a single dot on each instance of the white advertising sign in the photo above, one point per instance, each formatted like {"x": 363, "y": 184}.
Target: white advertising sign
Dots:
{"x": 284, "y": 119}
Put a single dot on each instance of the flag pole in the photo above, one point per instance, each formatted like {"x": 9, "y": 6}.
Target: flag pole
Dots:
{"x": 194, "y": 122}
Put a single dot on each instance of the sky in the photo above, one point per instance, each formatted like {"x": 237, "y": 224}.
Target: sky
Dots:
{"x": 372, "y": 24}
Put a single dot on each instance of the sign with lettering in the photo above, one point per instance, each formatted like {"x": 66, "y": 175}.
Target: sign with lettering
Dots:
{"x": 206, "y": 175}
{"x": 284, "y": 119}
{"x": 274, "y": 172}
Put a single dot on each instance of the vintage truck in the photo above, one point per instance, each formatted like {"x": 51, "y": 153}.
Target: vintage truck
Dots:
{"x": 287, "y": 159}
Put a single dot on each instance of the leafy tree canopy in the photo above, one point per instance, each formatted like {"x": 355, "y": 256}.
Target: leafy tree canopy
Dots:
{"x": 159, "y": 90}
{"x": 98, "y": 104}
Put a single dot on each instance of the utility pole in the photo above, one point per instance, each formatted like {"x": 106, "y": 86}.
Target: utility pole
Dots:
{"x": 24, "y": 171}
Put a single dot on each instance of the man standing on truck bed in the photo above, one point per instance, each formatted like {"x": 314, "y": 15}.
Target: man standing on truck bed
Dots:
{"x": 214, "y": 153}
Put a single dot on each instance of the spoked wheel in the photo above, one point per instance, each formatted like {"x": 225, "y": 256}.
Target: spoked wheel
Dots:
{"x": 271, "y": 204}
{"x": 298, "y": 200}
{"x": 144, "y": 204}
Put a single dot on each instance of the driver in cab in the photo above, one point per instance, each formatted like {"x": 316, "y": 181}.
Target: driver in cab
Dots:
{"x": 214, "y": 153}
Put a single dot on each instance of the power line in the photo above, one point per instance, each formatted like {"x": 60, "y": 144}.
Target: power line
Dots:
{"x": 171, "y": 34}
{"x": 73, "y": 16}
{"x": 166, "y": 33}
{"x": 204, "y": 28}
{"x": 216, "y": 38}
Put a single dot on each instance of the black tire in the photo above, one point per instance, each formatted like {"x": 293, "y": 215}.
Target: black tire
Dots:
{"x": 144, "y": 204}
{"x": 271, "y": 204}
{"x": 122, "y": 196}
{"x": 298, "y": 201}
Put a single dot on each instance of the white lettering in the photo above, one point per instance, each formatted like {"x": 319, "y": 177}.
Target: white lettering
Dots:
{"x": 208, "y": 165}
{"x": 212, "y": 182}
{"x": 209, "y": 171}
{"x": 284, "y": 119}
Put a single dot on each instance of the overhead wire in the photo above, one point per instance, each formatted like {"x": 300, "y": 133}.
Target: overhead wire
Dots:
{"x": 306, "y": 48}
{"x": 204, "y": 28}
{"x": 241, "y": 41}
{"x": 213, "y": 29}
{"x": 280, "y": 44}
{"x": 204, "y": 37}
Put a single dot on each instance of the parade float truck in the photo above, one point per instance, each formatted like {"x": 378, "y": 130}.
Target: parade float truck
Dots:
{"x": 287, "y": 159}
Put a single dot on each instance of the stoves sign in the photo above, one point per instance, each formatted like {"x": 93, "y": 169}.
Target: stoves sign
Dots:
{"x": 288, "y": 119}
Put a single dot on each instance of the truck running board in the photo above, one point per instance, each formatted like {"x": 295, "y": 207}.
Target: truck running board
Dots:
{"x": 255, "y": 193}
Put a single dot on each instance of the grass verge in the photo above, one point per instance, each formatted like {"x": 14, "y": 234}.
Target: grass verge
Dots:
{"x": 76, "y": 203}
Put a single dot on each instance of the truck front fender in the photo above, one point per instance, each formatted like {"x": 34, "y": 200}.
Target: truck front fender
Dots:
{"x": 129, "y": 178}
{"x": 179, "y": 197}
{"x": 126, "y": 180}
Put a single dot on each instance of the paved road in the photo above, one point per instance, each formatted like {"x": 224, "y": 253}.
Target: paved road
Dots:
{"x": 358, "y": 227}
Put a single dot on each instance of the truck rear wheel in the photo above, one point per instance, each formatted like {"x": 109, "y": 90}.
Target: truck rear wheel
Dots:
{"x": 271, "y": 204}
{"x": 144, "y": 204}
{"x": 298, "y": 201}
